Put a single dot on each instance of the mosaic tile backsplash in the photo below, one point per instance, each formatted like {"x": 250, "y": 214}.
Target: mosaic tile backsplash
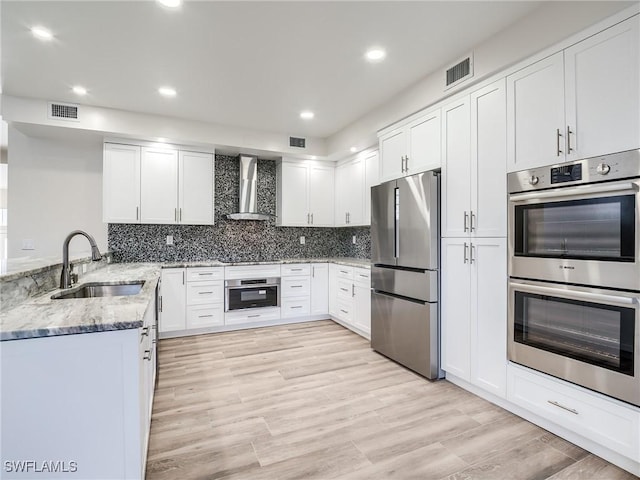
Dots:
{"x": 235, "y": 240}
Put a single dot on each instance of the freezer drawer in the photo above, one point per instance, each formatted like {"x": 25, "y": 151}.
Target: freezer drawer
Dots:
{"x": 406, "y": 331}
{"x": 418, "y": 284}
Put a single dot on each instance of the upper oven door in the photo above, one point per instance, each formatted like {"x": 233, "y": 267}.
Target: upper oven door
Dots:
{"x": 583, "y": 234}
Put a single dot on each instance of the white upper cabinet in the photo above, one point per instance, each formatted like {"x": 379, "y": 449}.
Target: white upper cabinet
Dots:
{"x": 602, "y": 85}
{"x": 305, "y": 194}
{"x": 354, "y": 179}
{"x": 195, "y": 204}
{"x": 372, "y": 178}
{"x": 159, "y": 186}
{"x": 411, "y": 148}
{"x": 578, "y": 103}
{"x": 121, "y": 184}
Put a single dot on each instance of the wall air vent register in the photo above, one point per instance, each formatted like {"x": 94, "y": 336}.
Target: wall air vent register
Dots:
{"x": 63, "y": 111}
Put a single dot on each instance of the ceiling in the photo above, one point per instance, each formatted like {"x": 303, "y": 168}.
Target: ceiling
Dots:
{"x": 252, "y": 65}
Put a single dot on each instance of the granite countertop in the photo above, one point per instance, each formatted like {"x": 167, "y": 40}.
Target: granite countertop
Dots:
{"x": 13, "y": 268}
{"x": 43, "y": 317}
{"x": 353, "y": 262}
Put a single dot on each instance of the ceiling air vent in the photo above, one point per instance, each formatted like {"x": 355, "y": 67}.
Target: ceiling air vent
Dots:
{"x": 459, "y": 72}
{"x": 63, "y": 111}
{"x": 297, "y": 142}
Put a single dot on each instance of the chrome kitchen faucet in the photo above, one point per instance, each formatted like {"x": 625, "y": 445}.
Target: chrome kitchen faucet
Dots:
{"x": 67, "y": 278}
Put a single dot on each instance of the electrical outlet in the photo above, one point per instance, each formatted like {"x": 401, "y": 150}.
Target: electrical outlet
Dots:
{"x": 353, "y": 239}
{"x": 84, "y": 268}
{"x": 169, "y": 239}
{"x": 28, "y": 244}
{"x": 302, "y": 240}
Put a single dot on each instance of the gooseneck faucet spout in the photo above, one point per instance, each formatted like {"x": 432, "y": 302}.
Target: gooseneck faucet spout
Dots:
{"x": 66, "y": 276}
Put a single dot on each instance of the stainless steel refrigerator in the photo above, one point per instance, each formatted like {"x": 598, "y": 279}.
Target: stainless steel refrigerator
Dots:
{"x": 405, "y": 237}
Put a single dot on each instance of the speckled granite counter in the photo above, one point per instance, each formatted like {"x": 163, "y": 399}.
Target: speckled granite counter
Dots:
{"x": 352, "y": 262}
{"x": 41, "y": 316}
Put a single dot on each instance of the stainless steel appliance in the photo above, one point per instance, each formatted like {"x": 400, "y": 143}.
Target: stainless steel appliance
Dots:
{"x": 574, "y": 288}
{"x": 577, "y": 222}
{"x": 248, "y": 200}
{"x": 252, "y": 293}
{"x": 404, "y": 275}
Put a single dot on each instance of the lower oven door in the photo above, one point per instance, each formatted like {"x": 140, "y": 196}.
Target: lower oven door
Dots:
{"x": 240, "y": 297}
{"x": 586, "y": 336}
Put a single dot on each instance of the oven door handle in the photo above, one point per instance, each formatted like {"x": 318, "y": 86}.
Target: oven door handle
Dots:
{"x": 573, "y": 294}
{"x": 574, "y": 191}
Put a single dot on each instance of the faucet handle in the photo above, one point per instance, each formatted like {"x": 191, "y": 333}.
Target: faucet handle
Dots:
{"x": 73, "y": 278}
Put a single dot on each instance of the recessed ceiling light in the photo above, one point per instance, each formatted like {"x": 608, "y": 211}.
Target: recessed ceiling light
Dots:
{"x": 353, "y": 149}
{"x": 375, "y": 54}
{"x": 41, "y": 33}
{"x": 167, "y": 91}
{"x": 307, "y": 115}
{"x": 78, "y": 90}
{"x": 170, "y": 3}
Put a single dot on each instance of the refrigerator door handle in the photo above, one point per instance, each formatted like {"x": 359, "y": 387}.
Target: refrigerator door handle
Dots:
{"x": 396, "y": 220}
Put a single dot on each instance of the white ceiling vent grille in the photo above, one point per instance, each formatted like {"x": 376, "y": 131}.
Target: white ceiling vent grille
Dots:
{"x": 459, "y": 72}
{"x": 297, "y": 142}
{"x": 63, "y": 111}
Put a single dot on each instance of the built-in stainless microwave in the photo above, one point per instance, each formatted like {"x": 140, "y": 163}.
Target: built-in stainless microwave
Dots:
{"x": 252, "y": 293}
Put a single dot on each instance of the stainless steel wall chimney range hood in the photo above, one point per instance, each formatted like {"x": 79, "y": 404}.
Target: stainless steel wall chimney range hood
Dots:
{"x": 248, "y": 191}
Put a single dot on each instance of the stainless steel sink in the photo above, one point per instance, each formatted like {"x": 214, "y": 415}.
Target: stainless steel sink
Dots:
{"x": 99, "y": 289}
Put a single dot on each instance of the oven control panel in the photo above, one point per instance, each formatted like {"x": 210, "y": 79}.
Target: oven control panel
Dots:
{"x": 621, "y": 165}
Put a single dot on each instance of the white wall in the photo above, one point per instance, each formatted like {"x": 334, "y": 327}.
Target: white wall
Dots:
{"x": 55, "y": 186}
{"x": 543, "y": 28}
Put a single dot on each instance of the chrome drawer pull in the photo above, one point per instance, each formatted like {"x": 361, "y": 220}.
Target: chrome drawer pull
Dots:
{"x": 296, "y": 269}
{"x": 145, "y": 331}
{"x": 147, "y": 355}
{"x": 296, "y": 286}
{"x": 344, "y": 289}
{"x": 205, "y": 293}
{"x": 210, "y": 273}
{"x": 344, "y": 311}
{"x": 252, "y": 316}
{"x": 205, "y": 316}
{"x": 297, "y": 306}
{"x": 556, "y": 404}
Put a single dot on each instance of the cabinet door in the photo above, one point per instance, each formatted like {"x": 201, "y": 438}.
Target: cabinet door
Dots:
{"x": 319, "y": 289}
{"x": 333, "y": 291}
{"x": 293, "y": 195}
{"x": 159, "y": 186}
{"x": 342, "y": 194}
{"x": 489, "y": 161}
{"x": 121, "y": 184}
{"x": 456, "y": 307}
{"x": 355, "y": 204}
{"x": 489, "y": 314}
{"x": 362, "y": 308}
{"x": 393, "y": 147}
{"x": 174, "y": 295}
{"x": 535, "y": 114}
{"x": 196, "y": 188}
{"x": 424, "y": 144}
{"x": 602, "y": 88}
{"x": 321, "y": 196}
{"x": 371, "y": 179}
{"x": 456, "y": 171}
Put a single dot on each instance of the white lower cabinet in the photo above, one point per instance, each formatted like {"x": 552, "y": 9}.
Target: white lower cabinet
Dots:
{"x": 350, "y": 297}
{"x": 239, "y": 317}
{"x": 319, "y": 289}
{"x": 474, "y": 311}
{"x": 173, "y": 300}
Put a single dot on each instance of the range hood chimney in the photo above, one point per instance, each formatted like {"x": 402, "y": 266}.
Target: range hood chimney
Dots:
{"x": 248, "y": 191}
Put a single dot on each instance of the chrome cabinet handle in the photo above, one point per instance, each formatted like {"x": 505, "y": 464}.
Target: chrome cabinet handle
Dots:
{"x": 466, "y": 221}
{"x": 296, "y": 269}
{"x": 205, "y": 316}
{"x": 406, "y": 163}
{"x": 344, "y": 311}
{"x": 466, "y": 258}
{"x": 252, "y": 316}
{"x": 308, "y": 218}
{"x": 183, "y": 277}
{"x": 209, "y": 273}
{"x": 313, "y": 271}
{"x": 556, "y": 404}
{"x": 205, "y": 293}
{"x": 312, "y": 219}
{"x": 296, "y": 286}
{"x": 471, "y": 259}
{"x": 147, "y": 355}
{"x": 558, "y": 135}
{"x": 569, "y": 132}
{"x": 353, "y": 290}
{"x": 402, "y": 163}
{"x": 137, "y": 213}
{"x": 160, "y": 299}
{"x": 472, "y": 223}
{"x": 296, "y": 306}
{"x": 180, "y": 214}
{"x": 144, "y": 332}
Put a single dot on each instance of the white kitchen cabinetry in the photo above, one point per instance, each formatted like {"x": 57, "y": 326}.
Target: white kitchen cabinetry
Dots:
{"x": 192, "y": 298}
{"x": 319, "y": 288}
{"x": 354, "y": 179}
{"x": 70, "y": 389}
{"x": 295, "y": 294}
{"x": 578, "y": 103}
{"x": 474, "y": 311}
{"x": 121, "y": 183}
{"x": 305, "y": 194}
{"x": 157, "y": 185}
{"x": 350, "y": 298}
{"x": 474, "y": 192}
{"x": 362, "y": 300}
{"x": 411, "y": 147}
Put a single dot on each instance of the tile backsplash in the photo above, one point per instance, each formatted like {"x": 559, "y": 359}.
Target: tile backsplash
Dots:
{"x": 235, "y": 240}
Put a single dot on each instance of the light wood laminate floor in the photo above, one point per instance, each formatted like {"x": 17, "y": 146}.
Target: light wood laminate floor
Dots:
{"x": 313, "y": 400}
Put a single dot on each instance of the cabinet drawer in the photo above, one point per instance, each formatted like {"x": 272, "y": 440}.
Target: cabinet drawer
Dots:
{"x": 242, "y": 272}
{"x": 605, "y": 421}
{"x": 251, "y": 316}
{"x": 345, "y": 289}
{"x": 199, "y": 274}
{"x": 362, "y": 276}
{"x": 345, "y": 272}
{"x": 295, "y": 286}
{"x": 200, "y": 316}
{"x": 295, "y": 307}
{"x": 202, "y": 293}
{"x": 345, "y": 310}
{"x": 296, "y": 269}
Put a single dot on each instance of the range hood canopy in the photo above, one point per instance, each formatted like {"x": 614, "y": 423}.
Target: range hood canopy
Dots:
{"x": 248, "y": 207}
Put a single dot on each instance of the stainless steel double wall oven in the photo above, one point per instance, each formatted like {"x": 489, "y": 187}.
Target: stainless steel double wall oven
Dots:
{"x": 574, "y": 250}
